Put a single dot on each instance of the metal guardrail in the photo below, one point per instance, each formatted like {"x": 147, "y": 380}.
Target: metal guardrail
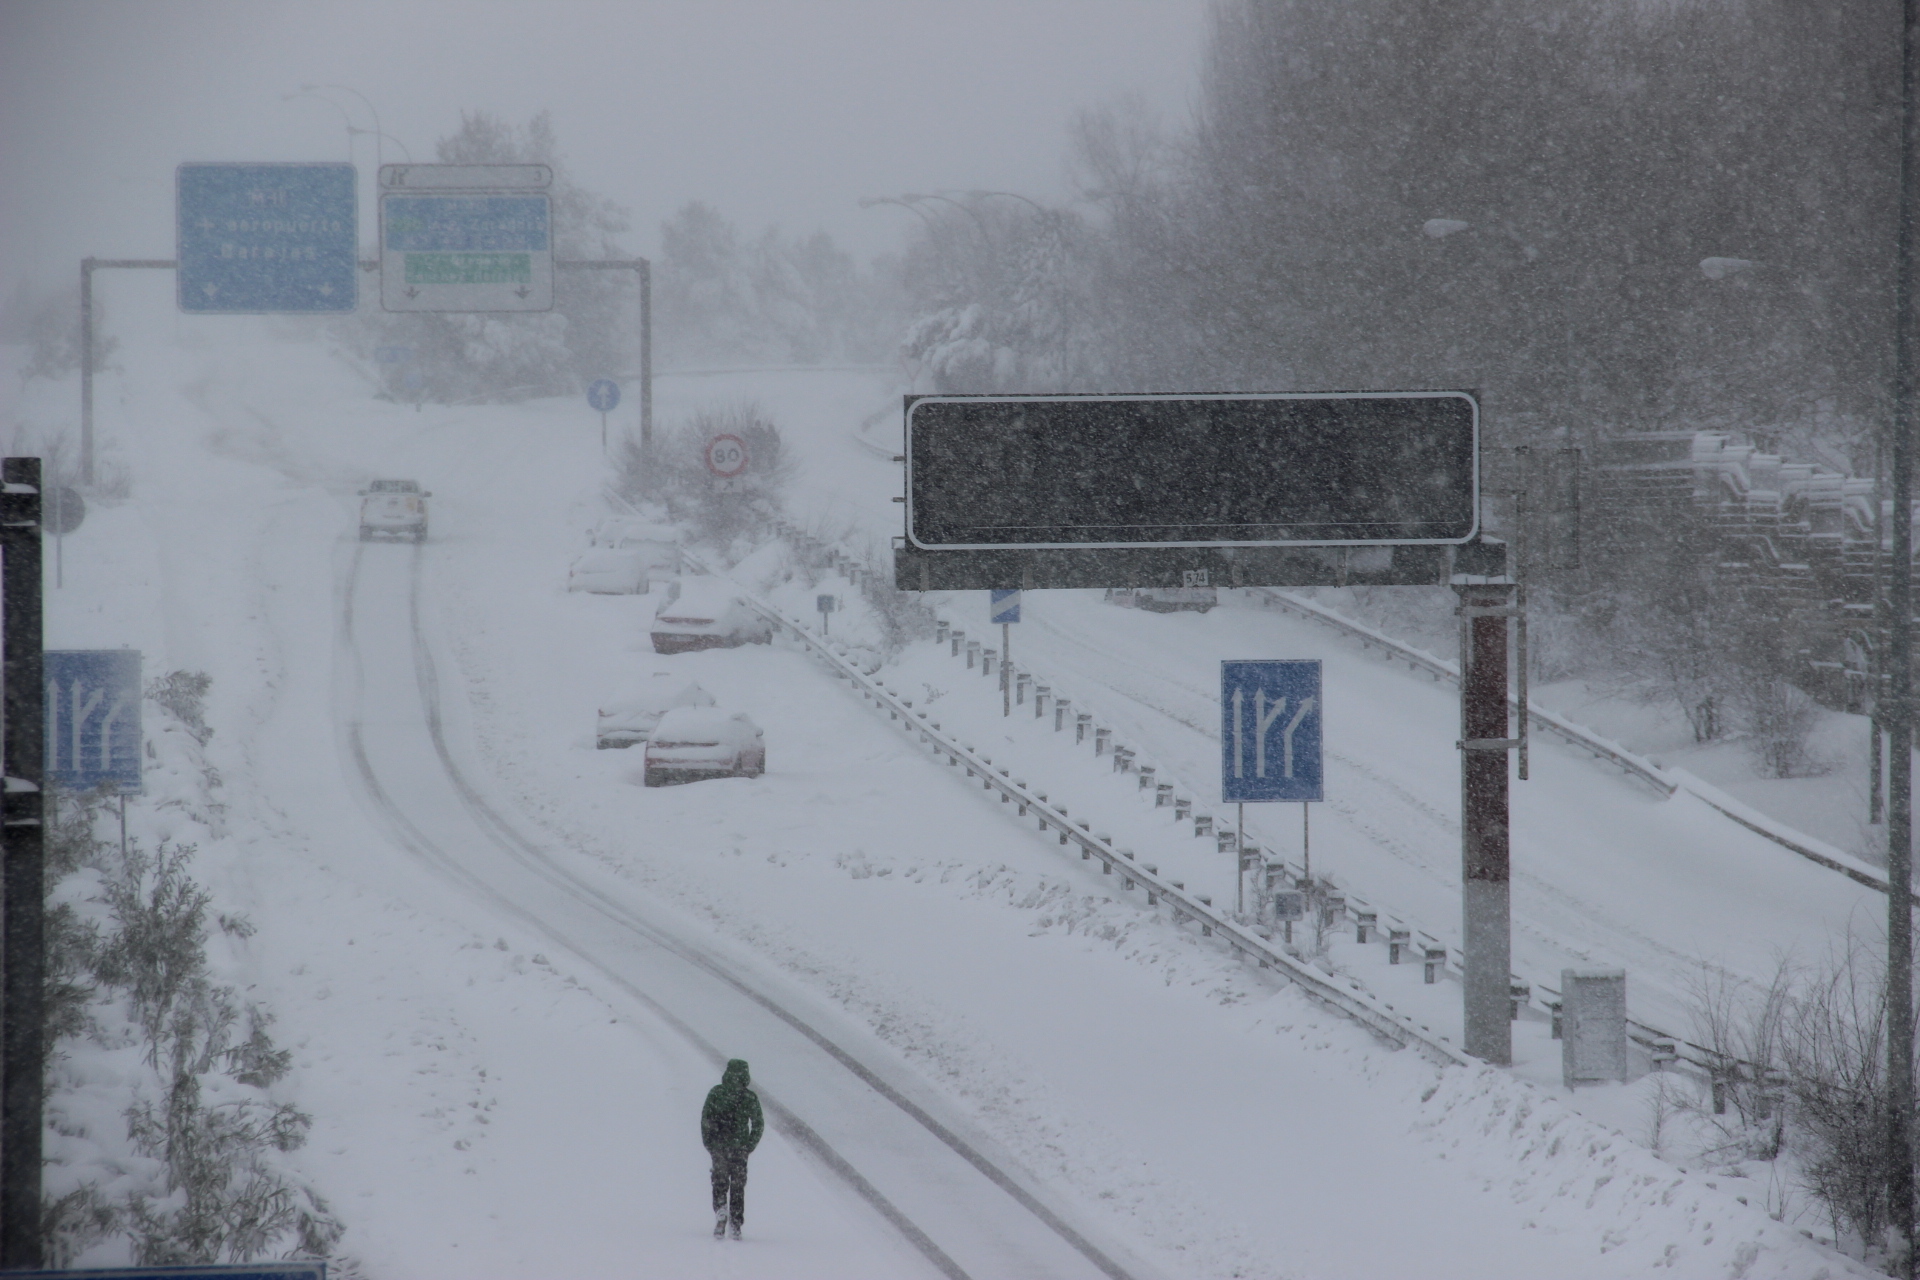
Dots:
{"x": 1348, "y": 999}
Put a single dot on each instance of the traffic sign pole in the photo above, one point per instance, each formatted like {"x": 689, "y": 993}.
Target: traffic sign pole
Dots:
{"x": 1006, "y": 669}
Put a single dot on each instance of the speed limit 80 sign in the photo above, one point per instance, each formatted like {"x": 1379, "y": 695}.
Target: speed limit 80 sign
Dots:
{"x": 727, "y": 456}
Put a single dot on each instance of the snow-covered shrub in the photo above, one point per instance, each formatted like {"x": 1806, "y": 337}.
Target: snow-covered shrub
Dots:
{"x": 1779, "y": 719}
{"x": 718, "y": 511}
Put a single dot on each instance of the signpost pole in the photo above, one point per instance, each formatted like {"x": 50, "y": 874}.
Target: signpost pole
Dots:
{"x": 23, "y": 844}
{"x": 1485, "y": 607}
{"x": 86, "y": 372}
{"x": 1006, "y": 670}
{"x": 645, "y": 269}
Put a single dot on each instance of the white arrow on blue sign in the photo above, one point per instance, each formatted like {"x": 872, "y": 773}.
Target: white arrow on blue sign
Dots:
{"x": 1270, "y": 714}
{"x": 1006, "y": 606}
{"x": 604, "y": 394}
{"x": 93, "y": 719}
{"x": 263, "y": 238}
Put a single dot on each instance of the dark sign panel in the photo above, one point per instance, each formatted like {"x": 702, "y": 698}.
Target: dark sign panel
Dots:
{"x": 987, "y": 473}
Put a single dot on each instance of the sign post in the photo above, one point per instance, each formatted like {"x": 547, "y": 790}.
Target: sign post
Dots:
{"x": 1271, "y": 714}
{"x": 1005, "y": 607}
{"x": 603, "y": 395}
{"x": 825, "y": 605}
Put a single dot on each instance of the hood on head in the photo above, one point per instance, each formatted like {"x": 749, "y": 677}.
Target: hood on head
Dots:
{"x": 736, "y": 1073}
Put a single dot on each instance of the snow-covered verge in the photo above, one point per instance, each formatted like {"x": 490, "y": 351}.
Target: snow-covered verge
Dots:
{"x": 477, "y": 1105}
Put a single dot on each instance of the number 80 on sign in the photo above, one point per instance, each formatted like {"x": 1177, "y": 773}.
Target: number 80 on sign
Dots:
{"x": 727, "y": 456}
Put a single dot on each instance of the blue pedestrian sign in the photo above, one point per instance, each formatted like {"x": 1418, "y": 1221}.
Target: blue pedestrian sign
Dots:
{"x": 604, "y": 394}
{"x": 1006, "y": 606}
{"x": 261, "y": 238}
{"x": 1270, "y": 715}
{"x": 93, "y": 719}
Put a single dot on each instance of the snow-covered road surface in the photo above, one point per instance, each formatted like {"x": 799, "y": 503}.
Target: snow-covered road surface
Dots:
{"x": 944, "y": 1195}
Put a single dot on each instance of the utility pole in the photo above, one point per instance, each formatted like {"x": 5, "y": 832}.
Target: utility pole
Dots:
{"x": 1900, "y": 681}
{"x": 1486, "y": 907}
{"x": 23, "y": 845}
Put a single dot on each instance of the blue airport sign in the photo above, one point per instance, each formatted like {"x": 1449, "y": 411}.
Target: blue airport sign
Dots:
{"x": 93, "y": 719}
{"x": 263, "y": 238}
{"x": 1006, "y": 606}
{"x": 466, "y": 251}
{"x": 1270, "y": 716}
{"x": 604, "y": 394}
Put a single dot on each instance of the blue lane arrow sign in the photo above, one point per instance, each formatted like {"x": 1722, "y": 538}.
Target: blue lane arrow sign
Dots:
{"x": 1006, "y": 606}
{"x": 604, "y": 394}
{"x": 1270, "y": 714}
{"x": 93, "y": 719}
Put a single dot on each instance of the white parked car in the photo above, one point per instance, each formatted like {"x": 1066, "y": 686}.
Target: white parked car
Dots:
{"x": 691, "y": 743}
{"x": 393, "y": 509}
{"x": 607, "y": 571}
{"x": 659, "y": 543}
{"x": 706, "y": 615}
{"x": 630, "y": 716}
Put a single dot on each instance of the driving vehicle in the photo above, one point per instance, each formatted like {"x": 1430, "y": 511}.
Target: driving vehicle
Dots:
{"x": 630, "y": 715}
{"x": 706, "y": 615}
{"x": 393, "y": 509}
{"x": 690, "y": 743}
{"x": 608, "y": 571}
{"x": 1164, "y": 599}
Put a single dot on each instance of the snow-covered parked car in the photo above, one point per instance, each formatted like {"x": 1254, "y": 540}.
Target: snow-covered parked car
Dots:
{"x": 608, "y": 571}
{"x": 658, "y": 543}
{"x": 706, "y": 615}
{"x": 630, "y": 715}
{"x": 1164, "y": 599}
{"x": 691, "y": 743}
{"x": 393, "y": 509}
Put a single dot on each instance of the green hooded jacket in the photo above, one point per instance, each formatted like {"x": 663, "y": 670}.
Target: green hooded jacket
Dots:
{"x": 731, "y": 1120}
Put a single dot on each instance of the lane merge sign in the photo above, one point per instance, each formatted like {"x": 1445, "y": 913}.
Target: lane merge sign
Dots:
{"x": 1270, "y": 731}
{"x": 461, "y": 237}
{"x": 93, "y": 719}
{"x": 255, "y": 239}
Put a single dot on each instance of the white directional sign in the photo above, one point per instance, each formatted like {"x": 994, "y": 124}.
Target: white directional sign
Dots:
{"x": 466, "y": 238}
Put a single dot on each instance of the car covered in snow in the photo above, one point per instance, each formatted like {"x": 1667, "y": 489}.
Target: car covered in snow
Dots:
{"x": 393, "y": 509}
{"x": 608, "y": 571}
{"x": 630, "y": 715}
{"x": 706, "y": 614}
{"x": 1164, "y": 599}
{"x": 658, "y": 544}
{"x": 690, "y": 743}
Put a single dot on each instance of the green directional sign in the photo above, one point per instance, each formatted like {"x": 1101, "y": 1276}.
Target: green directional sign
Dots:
{"x": 466, "y": 238}
{"x": 469, "y": 268}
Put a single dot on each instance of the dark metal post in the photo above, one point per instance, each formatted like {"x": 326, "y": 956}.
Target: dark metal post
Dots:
{"x": 1900, "y": 683}
{"x": 646, "y": 358}
{"x": 1485, "y": 902}
{"x": 86, "y": 373}
{"x": 22, "y": 840}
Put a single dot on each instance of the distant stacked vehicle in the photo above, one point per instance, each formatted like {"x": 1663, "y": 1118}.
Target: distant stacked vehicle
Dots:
{"x": 706, "y": 615}
{"x": 393, "y": 509}
{"x": 690, "y": 743}
{"x": 629, "y": 716}
{"x": 1164, "y": 599}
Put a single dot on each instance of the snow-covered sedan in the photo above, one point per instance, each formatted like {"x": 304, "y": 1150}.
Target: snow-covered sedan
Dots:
{"x": 393, "y": 509}
{"x": 706, "y": 615}
{"x": 608, "y": 571}
{"x": 691, "y": 743}
{"x": 630, "y": 716}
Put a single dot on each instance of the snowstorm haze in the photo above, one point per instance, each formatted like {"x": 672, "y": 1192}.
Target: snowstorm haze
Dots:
{"x": 776, "y": 112}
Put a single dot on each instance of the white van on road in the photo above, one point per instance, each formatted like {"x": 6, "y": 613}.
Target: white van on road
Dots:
{"x": 393, "y": 509}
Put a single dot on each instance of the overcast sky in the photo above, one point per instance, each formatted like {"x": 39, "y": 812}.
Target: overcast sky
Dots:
{"x": 775, "y": 111}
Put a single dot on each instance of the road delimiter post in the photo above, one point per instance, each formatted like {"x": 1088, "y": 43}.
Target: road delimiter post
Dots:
{"x": 1485, "y": 606}
{"x": 24, "y": 848}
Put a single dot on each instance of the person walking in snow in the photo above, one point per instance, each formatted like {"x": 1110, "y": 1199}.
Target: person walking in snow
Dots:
{"x": 730, "y": 1126}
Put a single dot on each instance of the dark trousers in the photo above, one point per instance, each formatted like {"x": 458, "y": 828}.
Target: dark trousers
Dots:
{"x": 730, "y": 1184}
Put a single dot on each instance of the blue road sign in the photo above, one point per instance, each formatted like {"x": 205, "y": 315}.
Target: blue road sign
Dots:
{"x": 823, "y": 603}
{"x": 1270, "y": 714}
{"x": 240, "y": 1271}
{"x": 1289, "y": 905}
{"x": 93, "y": 718}
{"x": 473, "y": 251}
{"x": 604, "y": 394}
{"x": 1006, "y": 606}
{"x": 256, "y": 238}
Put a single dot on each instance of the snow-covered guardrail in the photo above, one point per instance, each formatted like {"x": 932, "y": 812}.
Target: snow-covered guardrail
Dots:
{"x": 1345, "y": 996}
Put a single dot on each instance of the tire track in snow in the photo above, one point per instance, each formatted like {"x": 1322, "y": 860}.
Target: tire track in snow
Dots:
{"x": 530, "y": 857}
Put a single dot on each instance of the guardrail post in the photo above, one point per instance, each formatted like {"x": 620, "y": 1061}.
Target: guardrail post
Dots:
{"x": 1364, "y": 922}
{"x": 1163, "y": 796}
{"x": 1436, "y": 960}
{"x": 1555, "y": 1008}
{"x": 1663, "y": 1054}
{"x": 1082, "y": 726}
{"x": 1041, "y": 693}
{"x": 1182, "y": 808}
{"x": 986, "y": 661}
{"x": 1102, "y": 739}
{"x": 1021, "y": 683}
{"x": 1061, "y": 710}
{"x": 957, "y": 637}
{"x": 1397, "y": 942}
{"x": 1518, "y": 994}
{"x": 1202, "y": 824}
{"x": 940, "y": 631}
{"x": 1146, "y": 777}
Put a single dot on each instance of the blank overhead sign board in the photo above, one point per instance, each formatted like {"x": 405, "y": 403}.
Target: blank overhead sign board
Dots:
{"x": 1044, "y": 473}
